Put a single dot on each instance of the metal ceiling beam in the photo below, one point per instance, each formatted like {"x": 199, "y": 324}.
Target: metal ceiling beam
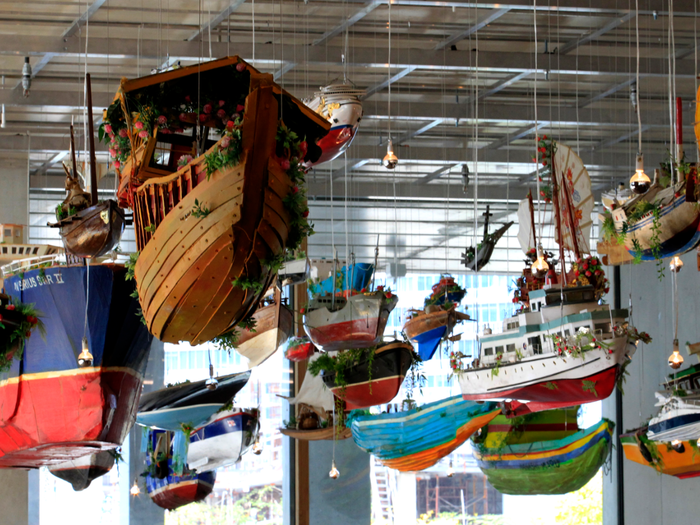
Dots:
{"x": 359, "y": 15}
{"x": 340, "y": 172}
{"x": 378, "y": 87}
{"x": 482, "y": 22}
{"x": 82, "y": 19}
{"x": 511, "y": 137}
{"x": 573, "y": 44}
{"x": 214, "y": 22}
{"x": 283, "y": 70}
{"x": 606, "y": 143}
{"x": 434, "y": 175}
{"x": 58, "y": 157}
{"x": 612, "y": 90}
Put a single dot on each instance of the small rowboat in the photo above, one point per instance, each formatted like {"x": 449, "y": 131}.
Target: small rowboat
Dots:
{"x": 525, "y": 466}
{"x": 356, "y": 322}
{"x": 430, "y": 326}
{"x": 418, "y": 438}
{"x": 373, "y": 381}
{"x": 679, "y": 459}
{"x": 94, "y": 231}
{"x": 446, "y": 291}
{"x": 273, "y": 326}
{"x": 80, "y": 472}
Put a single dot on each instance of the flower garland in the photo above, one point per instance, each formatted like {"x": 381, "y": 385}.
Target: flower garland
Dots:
{"x": 545, "y": 153}
{"x": 17, "y": 320}
{"x": 591, "y": 269}
{"x": 575, "y": 347}
{"x": 228, "y": 151}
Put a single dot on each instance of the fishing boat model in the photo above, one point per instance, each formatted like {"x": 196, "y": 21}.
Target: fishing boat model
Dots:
{"x": 356, "y": 276}
{"x": 88, "y": 228}
{"x": 356, "y": 321}
{"x": 446, "y": 291}
{"x": 679, "y": 416}
{"x": 316, "y": 405}
{"x": 223, "y": 439}
{"x": 374, "y": 378}
{"x": 210, "y": 229}
{"x": 76, "y": 391}
{"x": 477, "y": 258}
{"x": 679, "y": 458}
{"x": 189, "y": 403}
{"x": 341, "y": 106}
{"x": 165, "y": 487}
{"x": 299, "y": 349}
{"x": 273, "y": 326}
{"x": 418, "y": 438}
{"x": 427, "y": 328}
{"x": 526, "y": 464}
{"x": 556, "y": 355}
{"x": 82, "y": 471}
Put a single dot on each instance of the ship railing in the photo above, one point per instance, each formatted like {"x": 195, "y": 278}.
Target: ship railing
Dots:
{"x": 32, "y": 263}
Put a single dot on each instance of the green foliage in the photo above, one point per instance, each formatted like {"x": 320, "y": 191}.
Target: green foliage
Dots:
{"x": 130, "y": 264}
{"x": 17, "y": 321}
{"x": 199, "y": 210}
{"x": 637, "y": 247}
{"x": 246, "y": 283}
{"x": 655, "y": 243}
{"x": 228, "y": 152}
{"x": 229, "y": 340}
{"x": 60, "y": 214}
{"x": 151, "y": 228}
{"x": 275, "y": 262}
{"x": 583, "y": 507}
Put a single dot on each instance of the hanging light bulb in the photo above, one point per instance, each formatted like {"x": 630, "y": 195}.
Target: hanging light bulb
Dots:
{"x": 334, "y": 473}
{"x": 676, "y": 265}
{"x": 676, "y": 359}
{"x": 212, "y": 383}
{"x": 539, "y": 267}
{"x": 85, "y": 358}
{"x": 390, "y": 160}
{"x": 450, "y": 470}
{"x": 257, "y": 446}
{"x": 135, "y": 490}
{"x": 640, "y": 181}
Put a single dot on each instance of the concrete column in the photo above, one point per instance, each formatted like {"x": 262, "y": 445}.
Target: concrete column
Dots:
{"x": 405, "y": 501}
{"x": 13, "y": 197}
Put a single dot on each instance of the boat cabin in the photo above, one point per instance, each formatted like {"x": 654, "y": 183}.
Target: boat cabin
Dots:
{"x": 687, "y": 380}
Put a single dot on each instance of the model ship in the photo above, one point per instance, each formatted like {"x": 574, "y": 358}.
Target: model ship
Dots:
{"x": 299, "y": 349}
{"x": 214, "y": 210}
{"x": 417, "y": 439}
{"x": 85, "y": 375}
{"x": 523, "y": 463}
{"x": 477, "y": 258}
{"x": 82, "y": 471}
{"x": 677, "y": 458}
{"x": 88, "y": 228}
{"x": 341, "y": 106}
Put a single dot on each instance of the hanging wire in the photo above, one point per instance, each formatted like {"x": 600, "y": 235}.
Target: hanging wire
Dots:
{"x": 476, "y": 147}
{"x": 639, "y": 98}
{"x": 537, "y": 134}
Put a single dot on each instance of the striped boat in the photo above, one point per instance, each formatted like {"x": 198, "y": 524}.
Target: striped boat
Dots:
{"x": 526, "y": 465}
{"x": 680, "y": 459}
{"x": 420, "y": 437}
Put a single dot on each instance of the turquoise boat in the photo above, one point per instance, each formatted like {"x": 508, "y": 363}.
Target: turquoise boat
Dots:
{"x": 356, "y": 277}
{"x": 418, "y": 438}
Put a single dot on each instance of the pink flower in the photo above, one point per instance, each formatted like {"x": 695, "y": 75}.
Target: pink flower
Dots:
{"x": 225, "y": 142}
{"x": 182, "y": 117}
{"x": 138, "y": 124}
{"x": 143, "y": 134}
{"x": 305, "y": 214}
{"x": 597, "y": 272}
{"x": 165, "y": 131}
{"x": 303, "y": 148}
{"x": 188, "y": 99}
{"x": 117, "y": 164}
{"x": 162, "y": 120}
{"x": 222, "y": 103}
{"x": 207, "y": 108}
{"x": 588, "y": 273}
{"x": 184, "y": 160}
{"x": 10, "y": 307}
{"x": 203, "y": 117}
{"x": 240, "y": 108}
{"x": 221, "y": 114}
{"x": 594, "y": 261}
{"x": 108, "y": 128}
{"x": 240, "y": 67}
{"x": 112, "y": 152}
{"x": 122, "y": 133}
{"x": 295, "y": 189}
{"x": 284, "y": 164}
{"x": 585, "y": 266}
{"x": 303, "y": 310}
{"x": 577, "y": 273}
{"x": 230, "y": 124}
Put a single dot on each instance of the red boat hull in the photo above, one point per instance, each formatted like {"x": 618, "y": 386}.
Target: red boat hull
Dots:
{"x": 569, "y": 392}
{"x": 359, "y": 333}
{"x": 51, "y": 417}
{"x": 300, "y": 352}
{"x": 183, "y": 493}
{"x": 365, "y": 395}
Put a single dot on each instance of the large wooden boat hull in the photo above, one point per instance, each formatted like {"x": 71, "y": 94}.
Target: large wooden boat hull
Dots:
{"x": 222, "y": 440}
{"x": 273, "y": 326}
{"x": 679, "y": 230}
{"x": 549, "y": 381}
{"x": 682, "y": 461}
{"x": 318, "y": 434}
{"x": 417, "y": 439}
{"x": 82, "y": 471}
{"x": 52, "y": 411}
{"x": 359, "y": 324}
{"x": 374, "y": 383}
{"x": 94, "y": 231}
{"x": 547, "y": 467}
{"x": 186, "y": 269}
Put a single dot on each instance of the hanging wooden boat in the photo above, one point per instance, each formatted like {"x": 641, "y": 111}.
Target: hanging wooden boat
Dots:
{"x": 525, "y": 465}
{"x": 428, "y": 327}
{"x": 358, "y": 321}
{"x": 81, "y": 471}
{"x": 418, "y": 438}
{"x": 355, "y": 277}
{"x": 373, "y": 380}
{"x": 446, "y": 291}
{"x": 524, "y": 363}
{"x": 316, "y": 406}
{"x": 223, "y": 439}
{"x": 51, "y": 409}
{"x": 273, "y": 326}
{"x": 679, "y": 459}
{"x": 166, "y": 488}
{"x": 299, "y": 349}
{"x": 207, "y": 228}
{"x": 477, "y": 258}
{"x": 341, "y": 105}
{"x": 188, "y": 403}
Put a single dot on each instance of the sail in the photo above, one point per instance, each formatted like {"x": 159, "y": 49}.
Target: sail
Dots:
{"x": 526, "y": 233}
{"x": 313, "y": 392}
{"x": 574, "y": 198}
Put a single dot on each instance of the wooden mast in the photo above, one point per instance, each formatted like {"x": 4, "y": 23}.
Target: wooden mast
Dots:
{"x": 91, "y": 130}
{"x": 72, "y": 153}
